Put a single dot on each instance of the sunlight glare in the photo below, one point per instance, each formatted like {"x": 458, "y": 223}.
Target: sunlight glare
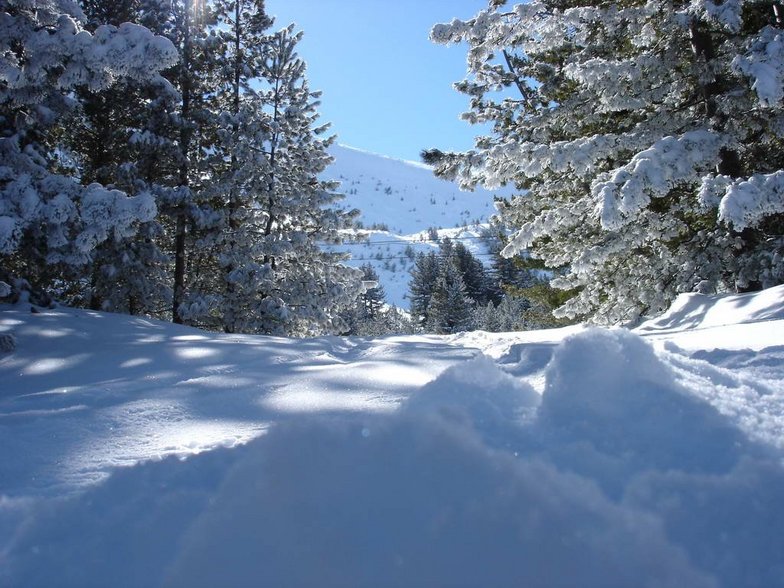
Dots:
{"x": 136, "y": 362}
{"x": 48, "y": 365}
{"x": 195, "y": 352}
{"x": 302, "y": 401}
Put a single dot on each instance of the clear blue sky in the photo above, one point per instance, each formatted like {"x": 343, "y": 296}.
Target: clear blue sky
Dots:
{"x": 387, "y": 88}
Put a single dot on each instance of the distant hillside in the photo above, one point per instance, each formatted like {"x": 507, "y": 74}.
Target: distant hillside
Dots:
{"x": 399, "y": 201}
{"x": 404, "y": 195}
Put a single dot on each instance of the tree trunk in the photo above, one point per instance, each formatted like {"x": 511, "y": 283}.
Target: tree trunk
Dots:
{"x": 229, "y": 317}
{"x": 185, "y": 138}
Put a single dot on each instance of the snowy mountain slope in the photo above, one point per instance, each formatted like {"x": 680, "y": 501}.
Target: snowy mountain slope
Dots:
{"x": 403, "y": 195}
{"x": 643, "y": 457}
{"x": 399, "y": 201}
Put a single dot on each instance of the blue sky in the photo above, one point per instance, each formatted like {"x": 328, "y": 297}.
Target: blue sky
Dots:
{"x": 387, "y": 88}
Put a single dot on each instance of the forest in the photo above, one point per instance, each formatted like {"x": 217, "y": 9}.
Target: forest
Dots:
{"x": 164, "y": 159}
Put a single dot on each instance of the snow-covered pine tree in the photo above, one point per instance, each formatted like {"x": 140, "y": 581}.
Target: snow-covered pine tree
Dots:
{"x": 116, "y": 137}
{"x": 486, "y": 318}
{"x": 277, "y": 276}
{"x": 510, "y": 314}
{"x": 185, "y": 206}
{"x": 646, "y": 135}
{"x": 236, "y": 169}
{"x": 367, "y": 316}
{"x": 47, "y": 215}
{"x": 372, "y": 299}
{"x": 450, "y": 310}
{"x": 396, "y": 322}
{"x": 420, "y": 287}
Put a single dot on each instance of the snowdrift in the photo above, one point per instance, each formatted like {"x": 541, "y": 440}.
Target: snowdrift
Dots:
{"x": 414, "y": 461}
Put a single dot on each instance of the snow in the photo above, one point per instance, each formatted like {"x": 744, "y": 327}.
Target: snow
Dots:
{"x": 763, "y": 64}
{"x": 746, "y": 202}
{"x": 404, "y": 195}
{"x": 140, "y": 453}
{"x": 697, "y": 311}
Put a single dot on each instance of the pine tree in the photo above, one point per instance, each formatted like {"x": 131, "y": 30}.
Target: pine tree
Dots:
{"x": 276, "y": 213}
{"x": 109, "y": 136}
{"x": 397, "y": 322}
{"x": 372, "y": 299}
{"x": 450, "y": 309}
{"x": 186, "y": 206}
{"x": 646, "y": 137}
{"x": 237, "y": 172}
{"x": 311, "y": 283}
{"x": 423, "y": 278}
{"x": 368, "y": 316}
{"x": 517, "y": 271}
{"x": 478, "y": 285}
{"x": 50, "y": 219}
{"x": 510, "y": 314}
{"x": 486, "y": 318}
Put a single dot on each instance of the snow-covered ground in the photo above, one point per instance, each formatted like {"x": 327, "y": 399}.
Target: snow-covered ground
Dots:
{"x": 399, "y": 201}
{"x": 139, "y": 453}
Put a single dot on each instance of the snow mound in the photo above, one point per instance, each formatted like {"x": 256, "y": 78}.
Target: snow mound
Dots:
{"x": 609, "y": 391}
{"x": 325, "y": 503}
{"x": 699, "y": 311}
{"x": 476, "y": 392}
{"x": 410, "y": 504}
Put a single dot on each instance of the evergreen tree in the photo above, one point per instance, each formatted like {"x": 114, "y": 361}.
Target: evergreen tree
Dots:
{"x": 510, "y": 314}
{"x": 647, "y": 137}
{"x": 518, "y": 271}
{"x": 150, "y": 137}
{"x": 276, "y": 213}
{"x": 449, "y": 309}
{"x": 237, "y": 172}
{"x": 475, "y": 284}
{"x": 368, "y": 316}
{"x": 397, "y": 322}
{"x": 372, "y": 299}
{"x": 423, "y": 279}
{"x": 50, "y": 220}
{"x": 104, "y": 136}
{"x": 478, "y": 284}
{"x": 186, "y": 207}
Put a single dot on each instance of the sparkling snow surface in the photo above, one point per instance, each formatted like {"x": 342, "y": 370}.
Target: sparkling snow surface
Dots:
{"x": 139, "y": 453}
